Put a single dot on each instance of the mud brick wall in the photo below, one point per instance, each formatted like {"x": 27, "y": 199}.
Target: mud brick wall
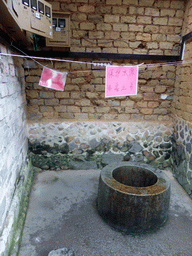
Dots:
{"x": 108, "y": 26}
{"x": 14, "y": 145}
{"x": 84, "y": 96}
{"x": 182, "y": 105}
{"x": 124, "y": 26}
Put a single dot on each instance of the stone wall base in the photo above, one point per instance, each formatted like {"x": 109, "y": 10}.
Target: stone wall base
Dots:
{"x": 57, "y": 145}
{"x": 182, "y": 153}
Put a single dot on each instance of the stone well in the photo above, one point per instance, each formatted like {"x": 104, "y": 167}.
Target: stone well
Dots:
{"x": 133, "y": 197}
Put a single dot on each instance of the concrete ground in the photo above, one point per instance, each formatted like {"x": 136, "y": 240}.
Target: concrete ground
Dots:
{"x": 62, "y": 213}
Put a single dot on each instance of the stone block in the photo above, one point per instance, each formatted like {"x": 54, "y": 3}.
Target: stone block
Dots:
{"x": 79, "y": 17}
{"x": 100, "y": 87}
{"x": 144, "y": 20}
{"x": 120, "y": 27}
{"x": 160, "y": 89}
{"x": 89, "y": 43}
{"x": 113, "y": 2}
{"x": 55, "y": 6}
{"x": 88, "y": 88}
{"x": 62, "y": 95}
{"x": 131, "y": 111}
{"x": 96, "y": 34}
{"x": 151, "y": 29}
{"x": 125, "y": 50}
{"x": 179, "y": 14}
{"x": 91, "y": 95}
{"x": 151, "y": 96}
{"x": 95, "y": 17}
{"x": 104, "y": 27}
{"x": 175, "y": 22}
{"x": 67, "y": 102}
{"x": 127, "y": 103}
{"x": 77, "y": 95}
{"x": 50, "y": 115}
{"x": 83, "y": 102}
{"x": 111, "y": 18}
{"x": 134, "y": 44}
{"x": 166, "y": 45}
{"x": 69, "y": 7}
{"x": 128, "y": 19}
{"x": 143, "y": 37}
{"x": 174, "y": 38}
{"x": 119, "y": 10}
{"x": 73, "y": 109}
{"x": 44, "y": 109}
{"x": 32, "y": 79}
{"x": 67, "y": 115}
{"x": 38, "y": 102}
{"x": 146, "y": 111}
{"x": 104, "y": 9}
{"x": 136, "y": 28}
{"x": 128, "y": 35}
{"x": 167, "y": 12}
{"x": 162, "y": 4}
{"x": 112, "y": 35}
{"x": 51, "y": 102}
{"x": 46, "y": 95}
{"x": 152, "y": 45}
{"x": 93, "y": 49}
{"x": 110, "y": 50}
{"x": 130, "y": 2}
{"x": 61, "y": 108}
{"x": 160, "y": 21}
{"x": 142, "y": 104}
{"x": 178, "y": 4}
{"x": 121, "y": 44}
{"x": 153, "y": 104}
{"x": 88, "y": 110}
{"x": 87, "y": 26}
{"x": 152, "y": 11}
{"x": 81, "y": 116}
{"x": 146, "y": 3}
{"x": 102, "y": 109}
{"x": 136, "y": 10}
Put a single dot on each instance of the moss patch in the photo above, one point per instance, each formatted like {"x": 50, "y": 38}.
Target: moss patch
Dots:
{"x": 19, "y": 222}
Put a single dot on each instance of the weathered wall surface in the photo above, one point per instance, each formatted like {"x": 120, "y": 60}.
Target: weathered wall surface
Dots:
{"x": 54, "y": 145}
{"x": 13, "y": 146}
{"x": 84, "y": 96}
{"x": 124, "y": 26}
{"x": 182, "y": 105}
{"x": 108, "y": 26}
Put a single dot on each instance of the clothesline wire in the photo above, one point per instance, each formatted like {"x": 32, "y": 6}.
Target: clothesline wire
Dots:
{"x": 142, "y": 65}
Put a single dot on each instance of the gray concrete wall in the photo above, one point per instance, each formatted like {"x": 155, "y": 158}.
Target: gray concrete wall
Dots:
{"x": 13, "y": 146}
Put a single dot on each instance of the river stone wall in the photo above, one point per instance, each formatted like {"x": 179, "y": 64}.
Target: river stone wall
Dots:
{"x": 182, "y": 153}
{"x": 82, "y": 145}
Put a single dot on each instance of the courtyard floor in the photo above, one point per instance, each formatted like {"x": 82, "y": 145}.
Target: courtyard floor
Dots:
{"x": 62, "y": 213}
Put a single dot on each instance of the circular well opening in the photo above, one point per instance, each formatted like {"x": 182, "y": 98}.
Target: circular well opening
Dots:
{"x": 134, "y": 176}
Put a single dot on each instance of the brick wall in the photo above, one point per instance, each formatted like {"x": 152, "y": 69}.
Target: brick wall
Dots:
{"x": 182, "y": 95}
{"x": 84, "y": 96}
{"x": 13, "y": 146}
{"x": 123, "y": 26}
{"x": 182, "y": 106}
